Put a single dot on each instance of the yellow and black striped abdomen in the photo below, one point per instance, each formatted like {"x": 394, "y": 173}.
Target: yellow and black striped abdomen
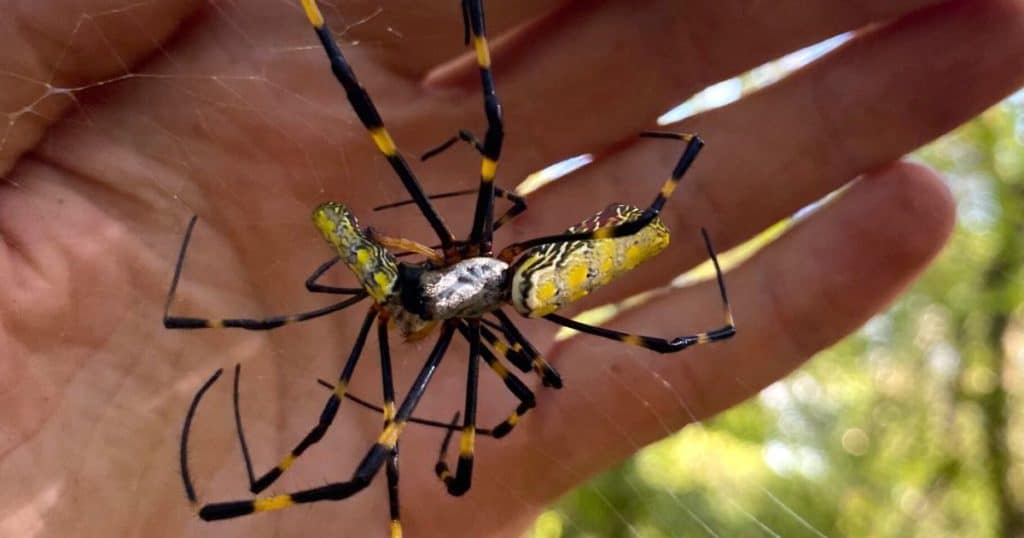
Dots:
{"x": 548, "y": 277}
{"x": 373, "y": 265}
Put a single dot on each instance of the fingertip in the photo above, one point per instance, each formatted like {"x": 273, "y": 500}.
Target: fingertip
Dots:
{"x": 923, "y": 210}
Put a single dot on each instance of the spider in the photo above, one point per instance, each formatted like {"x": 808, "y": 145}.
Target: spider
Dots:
{"x": 461, "y": 287}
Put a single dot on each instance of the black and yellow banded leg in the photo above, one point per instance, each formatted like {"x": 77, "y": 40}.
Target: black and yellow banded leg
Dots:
{"x": 314, "y": 287}
{"x": 386, "y": 375}
{"x": 361, "y": 402}
{"x": 368, "y": 115}
{"x": 460, "y": 482}
{"x": 465, "y": 136}
{"x": 236, "y": 398}
{"x": 547, "y": 373}
{"x": 483, "y": 216}
{"x": 265, "y": 324}
{"x": 662, "y": 345}
{"x": 526, "y": 398}
{"x": 518, "y": 206}
{"x": 441, "y": 468}
{"x": 388, "y": 413}
{"x": 330, "y": 410}
{"x": 518, "y": 203}
{"x": 186, "y": 476}
{"x": 394, "y": 511}
{"x": 368, "y": 467}
{"x": 693, "y": 147}
{"x": 512, "y": 352}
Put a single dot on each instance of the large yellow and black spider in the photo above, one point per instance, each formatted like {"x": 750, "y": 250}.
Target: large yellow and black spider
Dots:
{"x": 462, "y": 287}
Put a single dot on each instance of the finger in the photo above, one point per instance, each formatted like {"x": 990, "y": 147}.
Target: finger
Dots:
{"x": 818, "y": 282}
{"x": 600, "y": 70}
{"x": 410, "y": 37}
{"x": 47, "y": 48}
{"x": 782, "y": 148}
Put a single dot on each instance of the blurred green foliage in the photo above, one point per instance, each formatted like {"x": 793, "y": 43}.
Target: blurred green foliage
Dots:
{"x": 908, "y": 427}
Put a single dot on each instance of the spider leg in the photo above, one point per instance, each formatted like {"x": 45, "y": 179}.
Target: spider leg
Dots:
{"x": 236, "y": 398}
{"x": 462, "y": 480}
{"x": 388, "y": 388}
{"x": 524, "y": 355}
{"x": 518, "y": 206}
{"x": 186, "y": 477}
{"x": 693, "y": 147}
{"x": 463, "y": 135}
{"x": 521, "y": 354}
{"x": 368, "y": 115}
{"x": 391, "y": 470}
{"x": 265, "y": 324}
{"x": 549, "y": 376}
{"x": 405, "y": 245}
{"x": 412, "y": 420}
{"x": 314, "y": 287}
{"x": 459, "y": 483}
{"x": 387, "y": 377}
{"x": 483, "y": 215}
{"x": 518, "y": 203}
{"x": 512, "y": 352}
{"x": 368, "y": 467}
{"x": 438, "y": 196}
{"x": 526, "y": 398}
{"x": 662, "y": 345}
{"x": 323, "y": 423}
{"x": 482, "y": 231}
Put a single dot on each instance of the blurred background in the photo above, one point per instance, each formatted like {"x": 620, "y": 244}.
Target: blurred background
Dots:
{"x": 909, "y": 427}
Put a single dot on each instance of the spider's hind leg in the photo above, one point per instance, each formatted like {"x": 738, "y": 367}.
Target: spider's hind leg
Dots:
{"x": 693, "y": 146}
{"x": 324, "y": 422}
{"x": 547, "y": 373}
{"x": 375, "y": 458}
{"x": 662, "y": 345}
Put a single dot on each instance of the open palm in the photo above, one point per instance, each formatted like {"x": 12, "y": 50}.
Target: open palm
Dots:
{"x": 230, "y": 112}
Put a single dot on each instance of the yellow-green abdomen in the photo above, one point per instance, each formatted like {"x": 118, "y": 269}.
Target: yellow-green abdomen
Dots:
{"x": 548, "y": 277}
{"x": 373, "y": 265}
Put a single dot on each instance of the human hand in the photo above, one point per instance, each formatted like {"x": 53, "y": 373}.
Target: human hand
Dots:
{"x": 235, "y": 117}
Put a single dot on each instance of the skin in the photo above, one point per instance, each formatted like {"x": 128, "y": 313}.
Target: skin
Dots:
{"x": 93, "y": 389}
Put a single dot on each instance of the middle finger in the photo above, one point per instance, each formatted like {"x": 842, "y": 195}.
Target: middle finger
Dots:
{"x": 604, "y": 70}
{"x": 777, "y": 150}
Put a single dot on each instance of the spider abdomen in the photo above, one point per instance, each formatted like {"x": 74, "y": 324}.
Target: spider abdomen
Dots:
{"x": 374, "y": 267}
{"x": 548, "y": 277}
